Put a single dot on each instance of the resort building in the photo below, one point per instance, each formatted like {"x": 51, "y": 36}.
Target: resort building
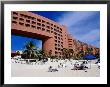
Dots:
{"x": 54, "y": 36}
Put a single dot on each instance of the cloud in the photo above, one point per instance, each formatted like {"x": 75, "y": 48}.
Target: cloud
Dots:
{"x": 92, "y": 37}
{"x": 39, "y": 44}
{"x": 83, "y": 25}
{"x": 72, "y": 18}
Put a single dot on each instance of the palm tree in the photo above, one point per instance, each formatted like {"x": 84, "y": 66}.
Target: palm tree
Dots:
{"x": 30, "y": 50}
{"x": 41, "y": 53}
{"x": 18, "y": 53}
{"x": 50, "y": 53}
{"x": 65, "y": 53}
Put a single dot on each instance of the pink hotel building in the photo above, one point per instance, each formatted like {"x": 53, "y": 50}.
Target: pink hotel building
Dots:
{"x": 54, "y": 36}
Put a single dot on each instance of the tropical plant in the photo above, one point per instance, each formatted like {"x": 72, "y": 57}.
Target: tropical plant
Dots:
{"x": 18, "y": 53}
{"x": 50, "y": 53}
{"x": 65, "y": 53}
{"x": 30, "y": 50}
{"x": 40, "y": 53}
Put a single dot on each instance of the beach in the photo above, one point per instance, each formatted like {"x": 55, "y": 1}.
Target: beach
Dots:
{"x": 41, "y": 70}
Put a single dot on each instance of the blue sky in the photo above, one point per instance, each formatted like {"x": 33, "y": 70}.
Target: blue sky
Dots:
{"x": 82, "y": 25}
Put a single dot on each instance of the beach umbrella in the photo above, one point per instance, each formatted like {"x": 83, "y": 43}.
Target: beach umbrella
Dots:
{"x": 89, "y": 57}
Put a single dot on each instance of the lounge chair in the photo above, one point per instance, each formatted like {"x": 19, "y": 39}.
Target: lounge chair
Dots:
{"x": 52, "y": 70}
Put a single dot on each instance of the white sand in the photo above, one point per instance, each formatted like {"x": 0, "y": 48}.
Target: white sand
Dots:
{"x": 26, "y": 70}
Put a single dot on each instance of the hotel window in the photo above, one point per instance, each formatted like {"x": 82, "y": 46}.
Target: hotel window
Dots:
{"x": 48, "y": 23}
{"x": 48, "y": 27}
{"x": 48, "y": 31}
{"x": 61, "y": 45}
{"x": 57, "y": 30}
{"x": 51, "y": 28}
{"x": 57, "y": 27}
{"x": 56, "y": 52}
{"x": 33, "y": 18}
{"x": 54, "y": 29}
{"x": 33, "y": 26}
{"x": 58, "y": 34}
{"x": 43, "y": 29}
{"x": 55, "y": 44}
{"x": 21, "y": 23}
{"x": 55, "y": 37}
{"x": 60, "y": 31}
{"x": 51, "y": 24}
{"x": 61, "y": 42}
{"x": 43, "y": 25}
{"x": 25, "y": 16}
{"x": 22, "y": 15}
{"x": 38, "y": 28}
{"x": 69, "y": 39}
{"x": 60, "y": 53}
{"x": 51, "y": 31}
{"x": 55, "y": 40}
{"x": 55, "y": 33}
{"x": 27, "y": 25}
{"x": 58, "y": 48}
{"x": 14, "y": 22}
{"x": 33, "y": 22}
{"x": 54, "y": 25}
{"x": 29, "y": 17}
{"x": 28, "y": 21}
{"x": 15, "y": 13}
{"x": 39, "y": 24}
{"x": 21, "y": 19}
{"x": 70, "y": 46}
{"x": 43, "y": 21}
{"x": 59, "y": 38}
{"x": 15, "y": 18}
{"x": 38, "y": 20}
{"x": 55, "y": 48}
{"x": 58, "y": 41}
{"x": 58, "y": 45}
